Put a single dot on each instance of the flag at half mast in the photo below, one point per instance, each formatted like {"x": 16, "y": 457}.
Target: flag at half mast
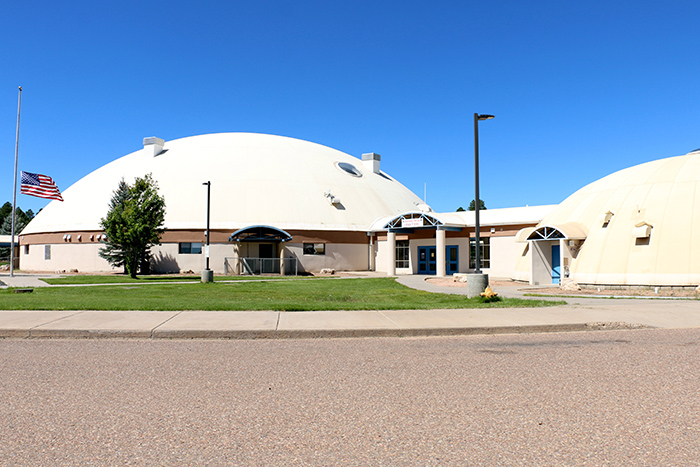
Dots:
{"x": 39, "y": 185}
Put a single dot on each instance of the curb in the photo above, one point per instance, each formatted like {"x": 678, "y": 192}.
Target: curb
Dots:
{"x": 312, "y": 334}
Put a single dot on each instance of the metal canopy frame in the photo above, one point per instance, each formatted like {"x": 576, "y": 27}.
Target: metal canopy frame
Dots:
{"x": 260, "y": 233}
{"x": 428, "y": 221}
{"x": 546, "y": 233}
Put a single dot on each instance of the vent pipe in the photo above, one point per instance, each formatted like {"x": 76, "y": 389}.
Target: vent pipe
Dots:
{"x": 371, "y": 161}
{"x": 153, "y": 145}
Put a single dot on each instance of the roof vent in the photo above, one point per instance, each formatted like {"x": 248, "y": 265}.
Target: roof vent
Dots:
{"x": 153, "y": 145}
{"x": 371, "y": 161}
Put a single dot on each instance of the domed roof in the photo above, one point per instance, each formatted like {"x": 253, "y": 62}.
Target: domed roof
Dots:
{"x": 643, "y": 224}
{"x": 255, "y": 179}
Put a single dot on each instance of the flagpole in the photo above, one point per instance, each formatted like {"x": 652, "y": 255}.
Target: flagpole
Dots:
{"x": 14, "y": 190}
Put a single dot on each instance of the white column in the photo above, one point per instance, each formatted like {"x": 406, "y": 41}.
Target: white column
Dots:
{"x": 391, "y": 241}
{"x": 440, "y": 253}
{"x": 371, "y": 253}
{"x": 281, "y": 259}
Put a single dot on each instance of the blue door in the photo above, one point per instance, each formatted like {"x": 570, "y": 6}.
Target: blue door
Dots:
{"x": 452, "y": 259}
{"x": 426, "y": 260}
{"x": 556, "y": 266}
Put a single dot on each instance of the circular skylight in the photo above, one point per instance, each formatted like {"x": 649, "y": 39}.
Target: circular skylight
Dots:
{"x": 349, "y": 169}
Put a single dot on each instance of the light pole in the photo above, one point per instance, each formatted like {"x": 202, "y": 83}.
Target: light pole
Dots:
{"x": 207, "y": 274}
{"x": 481, "y": 282}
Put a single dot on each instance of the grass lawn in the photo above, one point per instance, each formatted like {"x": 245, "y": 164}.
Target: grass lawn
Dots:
{"x": 296, "y": 295}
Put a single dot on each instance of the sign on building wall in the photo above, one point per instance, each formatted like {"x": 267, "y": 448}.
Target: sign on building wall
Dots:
{"x": 409, "y": 223}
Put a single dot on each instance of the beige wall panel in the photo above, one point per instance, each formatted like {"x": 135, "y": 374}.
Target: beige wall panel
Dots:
{"x": 341, "y": 257}
{"x": 64, "y": 257}
{"x": 504, "y": 255}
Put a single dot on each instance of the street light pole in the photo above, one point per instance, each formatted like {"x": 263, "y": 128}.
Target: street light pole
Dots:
{"x": 207, "y": 275}
{"x": 477, "y": 200}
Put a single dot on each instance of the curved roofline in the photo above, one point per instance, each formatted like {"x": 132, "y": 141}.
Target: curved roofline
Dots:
{"x": 275, "y": 234}
{"x": 568, "y": 231}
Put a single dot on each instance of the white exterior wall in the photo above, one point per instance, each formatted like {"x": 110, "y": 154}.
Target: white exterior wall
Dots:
{"x": 64, "y": 257}
{"x": 504, "y": 256}
{"x": 338, "y": 256}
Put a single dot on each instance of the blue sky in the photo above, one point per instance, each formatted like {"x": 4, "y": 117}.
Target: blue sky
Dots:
{"x": 579, "y": 89}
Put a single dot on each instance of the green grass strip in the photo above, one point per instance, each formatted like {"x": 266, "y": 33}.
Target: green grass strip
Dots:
{"x": 124, "y": 279}
{"x": 297, "y": 295}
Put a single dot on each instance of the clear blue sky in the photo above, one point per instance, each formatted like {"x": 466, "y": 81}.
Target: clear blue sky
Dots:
{"x": 579, "y": 89}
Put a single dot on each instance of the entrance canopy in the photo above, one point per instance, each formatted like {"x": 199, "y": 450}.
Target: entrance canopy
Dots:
{"x": 260, "y": 233}
{"x": 409, "y": 221}
{"x": 568, "y": 231}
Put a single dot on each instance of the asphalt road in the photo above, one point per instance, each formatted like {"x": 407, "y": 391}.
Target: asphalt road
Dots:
{"x": 596, "y": 398}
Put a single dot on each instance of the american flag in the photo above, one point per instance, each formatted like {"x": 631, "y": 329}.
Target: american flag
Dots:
{"x": 39, "y": 185}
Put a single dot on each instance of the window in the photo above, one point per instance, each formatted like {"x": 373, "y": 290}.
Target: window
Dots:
{"x": 402, "y": 253}
{"x": 314, "y": 249}
{"x": 47, "y": 252}
{"x": 190, "y": 248}
{"x": 484, "y": 252}
{"x": 26, "y": 249}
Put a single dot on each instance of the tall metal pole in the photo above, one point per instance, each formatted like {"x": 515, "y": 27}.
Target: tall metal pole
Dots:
{"x": 477, "y": 200}
{"x": 14, "y": 190}
{"x": 208, "y": 184}
{"x": 476, "y": 194}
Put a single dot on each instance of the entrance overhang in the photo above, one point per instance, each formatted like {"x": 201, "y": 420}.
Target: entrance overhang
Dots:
{"x": 260, "y": 233}
{"x": 568, "y": 231}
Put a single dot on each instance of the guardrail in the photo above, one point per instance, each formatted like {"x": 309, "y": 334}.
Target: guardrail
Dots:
{"x": 235, "y": 266}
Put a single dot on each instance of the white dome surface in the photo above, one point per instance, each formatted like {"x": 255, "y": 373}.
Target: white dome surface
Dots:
{"x": 255, "y": 179}
{"x": 661, "y": 198}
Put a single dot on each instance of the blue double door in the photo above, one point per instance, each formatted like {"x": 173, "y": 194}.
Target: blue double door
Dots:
{"x": 427, "y": 259}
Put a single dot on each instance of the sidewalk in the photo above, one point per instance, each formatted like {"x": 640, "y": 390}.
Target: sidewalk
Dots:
{"x": 577, "y": 315}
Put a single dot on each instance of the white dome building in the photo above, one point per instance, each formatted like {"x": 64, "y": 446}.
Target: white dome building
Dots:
{"x": 271, "y": 197}
{"x": 636, "y": 227}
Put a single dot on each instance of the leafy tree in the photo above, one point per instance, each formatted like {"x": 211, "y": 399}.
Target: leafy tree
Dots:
{"x": 460, "y": 209}
{"x": 133, "y": 225}
{"x": 472, "y": 205}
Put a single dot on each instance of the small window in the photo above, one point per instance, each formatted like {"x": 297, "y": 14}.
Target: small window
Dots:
{"x": 314, "y": 249}
{"x": 190, "y": 248}
{"x": 402, "y": 253}
{"x": 26, "y": 249}
{"x": 47, "y": 252}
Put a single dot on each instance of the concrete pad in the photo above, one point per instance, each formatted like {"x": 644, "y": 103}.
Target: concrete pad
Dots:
{"x": 221, "y": 324}
{"x": 19, "y": 323}
{"x": 104, "y": 324}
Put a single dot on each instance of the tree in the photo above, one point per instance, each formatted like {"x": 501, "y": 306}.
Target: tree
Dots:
{"x": 460, "y": 209}
{"x": 133, "y": 225}
{"x": 472, "y": 205}
{"x": 21, "y": 220}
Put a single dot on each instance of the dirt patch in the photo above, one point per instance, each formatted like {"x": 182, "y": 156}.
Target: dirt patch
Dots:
{"x": 661, "y": 292}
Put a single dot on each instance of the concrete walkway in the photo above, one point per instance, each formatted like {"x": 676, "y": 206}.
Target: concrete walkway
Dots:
{"x": 578, "y": 315}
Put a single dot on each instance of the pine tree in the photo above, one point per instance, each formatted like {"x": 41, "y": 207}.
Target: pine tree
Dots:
{"x": 133, "y": 225}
